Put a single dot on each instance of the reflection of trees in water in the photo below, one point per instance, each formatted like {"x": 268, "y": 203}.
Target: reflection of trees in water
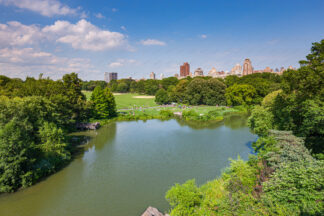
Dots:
{"x": 96, "y": 137}
{"x": 200, "y": 124}
{"x": 231, "y": 120}
{"x": 235, "y": 121}
{"x": 104, "y": 135}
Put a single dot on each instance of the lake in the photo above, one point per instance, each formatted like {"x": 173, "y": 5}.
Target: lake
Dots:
{"x": 127, "y": 166}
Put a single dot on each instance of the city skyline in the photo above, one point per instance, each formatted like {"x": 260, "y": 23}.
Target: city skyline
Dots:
{"x": 57, "y": 37}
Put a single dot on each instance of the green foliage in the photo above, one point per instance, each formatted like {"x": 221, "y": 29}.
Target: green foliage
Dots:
{"x": 298, "y": 186}
{"x": 92, "y": 84}
{"x": 269, "y": 100}
{"x": 241, "y": 94}
{"x": 162, "y": 97}
{"x": 260, "y": 121}
{"x": 103, "y": 103}
{"x": 16, "y": 147}
{"x": 209, "y": 92}
{"x": 184, "y": 198}
{"x": 32, "y": 145}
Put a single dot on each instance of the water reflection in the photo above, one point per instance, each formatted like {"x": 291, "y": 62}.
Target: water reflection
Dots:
{"x": 235, "y": 121}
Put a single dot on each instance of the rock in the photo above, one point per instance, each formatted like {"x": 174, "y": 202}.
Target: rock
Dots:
{"x": 178, "y": 114}
{"x": 150, "y": 211}
{"x": 88, "y": 126}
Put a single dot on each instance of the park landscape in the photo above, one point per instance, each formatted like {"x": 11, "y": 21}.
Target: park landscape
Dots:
{"x": 77, "y": 141}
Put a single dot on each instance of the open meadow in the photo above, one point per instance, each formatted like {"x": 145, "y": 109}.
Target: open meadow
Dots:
{"x": 129, "y": 100}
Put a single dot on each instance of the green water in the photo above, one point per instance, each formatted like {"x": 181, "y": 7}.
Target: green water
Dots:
{"x": 127, "y": 166}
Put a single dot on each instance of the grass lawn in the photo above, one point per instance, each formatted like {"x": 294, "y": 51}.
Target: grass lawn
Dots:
{"x": 201, "y": 110}
{"x": 126, "y": 101}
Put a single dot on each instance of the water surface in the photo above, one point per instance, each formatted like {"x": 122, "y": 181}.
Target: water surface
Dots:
{"x": 127, "y": 166}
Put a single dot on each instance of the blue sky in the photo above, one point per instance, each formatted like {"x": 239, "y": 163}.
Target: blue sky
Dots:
{"x": 136, "y": 37}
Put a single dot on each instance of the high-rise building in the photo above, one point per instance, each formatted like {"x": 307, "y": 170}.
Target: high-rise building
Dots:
{"x": 247, "y": 67}
{"x": 185, "y": 69}
{"x": 212, "y": 72}
{"x": 152, "y": 75}
{"x": 162, "y": 76}
{"x": 199, "y": 72}
{"x": 111, "y": 76}
{"x": 268, "y": 69}
{"x": 236, "y": 70}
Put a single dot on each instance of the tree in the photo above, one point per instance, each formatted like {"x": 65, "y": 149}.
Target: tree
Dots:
{"x": 261, "y": 120}
{"x": 179, "y": 92}
{"x": 166, "y": 82}
{"x": 161, "y": 97}
{"x": 122, "y": 88}
{"x": 151, "y": 86}
{"x": 214, "y": 93}
{"x": 103, "y": 102}
{"x": 195, "y": 90}
{"x": 241, "y": 94}
{"x": 16, "y": 162}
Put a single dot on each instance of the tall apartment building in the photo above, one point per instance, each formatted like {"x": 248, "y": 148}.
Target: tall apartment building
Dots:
{"x": 111, "y": 76}
{"x": 152, "y": 75}
{"x": 199, "y": 72}
{"x": 247, "y": 67}
{"x": 236, "y": 70}
{"x": 185, "y": 69}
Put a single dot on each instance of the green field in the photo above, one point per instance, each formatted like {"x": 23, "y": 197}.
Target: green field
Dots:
{"x": 127, "y": 101}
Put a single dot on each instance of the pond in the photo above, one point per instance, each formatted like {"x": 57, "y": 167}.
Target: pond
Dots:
{"x": 128, "y": 166}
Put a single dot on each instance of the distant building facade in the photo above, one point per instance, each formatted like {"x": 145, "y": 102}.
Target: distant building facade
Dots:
{"x": 111, "y": 76}
{"x": 212, "y": 72}
{"x": 199, "y": 72}
{"x": 236, "y": 70}
{"x": 247, "y": 67}
{"x": 185, "y": 69}
{"x": 152, "y": 75}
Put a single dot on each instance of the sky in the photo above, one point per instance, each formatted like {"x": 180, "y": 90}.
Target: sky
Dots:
{"x": 136, "y": 37}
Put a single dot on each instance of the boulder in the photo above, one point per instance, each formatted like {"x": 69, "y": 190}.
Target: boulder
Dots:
{"x": 150, "y": 211}
{"x": 88, "y": 126}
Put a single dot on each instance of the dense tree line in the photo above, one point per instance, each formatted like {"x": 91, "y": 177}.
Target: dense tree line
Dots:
{"x": 35, "y": 117}
{"x": 299, "y": 106}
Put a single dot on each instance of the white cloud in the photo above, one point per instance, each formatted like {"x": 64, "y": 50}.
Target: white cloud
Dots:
{"x": 85, "y": 36}
{"x": 114, "y": 10}
{"x": 203, "y": 36}
{"x": 123, "y": 28}
{"x": 44, "y": 7}
{"x": 99, "y": 16}
{"x": 24, "y": 62}
{"x": 152, "y": 42}
{"x": 16, "y": 34}
{"x": 121, "y": 62}
{"x": 115, "y": 64}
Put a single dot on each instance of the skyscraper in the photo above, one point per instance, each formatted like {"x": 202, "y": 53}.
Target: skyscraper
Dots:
{"x": 111, "y": 76}
{"x": 199, "y": 72}
{"x": 152, "y": 75}
{"x": 236, "y": 70}
{"x": 247, "y": 67}
{"x": 184, "y": 69}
